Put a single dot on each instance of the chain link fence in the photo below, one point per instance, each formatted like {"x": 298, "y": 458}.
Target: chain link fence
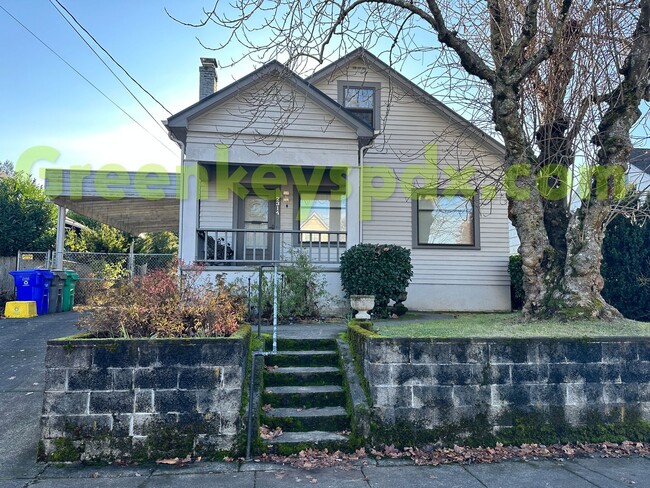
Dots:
{"x": 97, "y": 271}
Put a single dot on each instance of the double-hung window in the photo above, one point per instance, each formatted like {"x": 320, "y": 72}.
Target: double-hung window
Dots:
{"x": 361, "y": 100}
{"x": 444, "y": 220}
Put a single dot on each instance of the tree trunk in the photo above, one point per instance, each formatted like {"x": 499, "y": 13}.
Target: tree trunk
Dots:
{"x": 579, "y": 293}
{"x": 582, "y": 281}
{"x": 540, "y": 264}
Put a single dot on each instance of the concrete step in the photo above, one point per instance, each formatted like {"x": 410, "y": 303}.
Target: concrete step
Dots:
{"x": 301, "y": 344}
{"x": 314, "y": 436}
{"x": 303, "y": 376}
{"x": 304, "y": 396}
{"x": 293, "y": 442}
{"x": 303, "y": 358}
{"x": 328, "y": 419}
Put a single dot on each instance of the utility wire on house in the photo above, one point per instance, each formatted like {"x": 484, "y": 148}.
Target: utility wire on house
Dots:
{"x": 111, "y": 57}
{"x": 156, "y": 121}
{"x": 84, "y": 78}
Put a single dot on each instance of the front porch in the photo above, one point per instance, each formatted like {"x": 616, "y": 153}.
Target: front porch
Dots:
{"x": 266, "y": 221}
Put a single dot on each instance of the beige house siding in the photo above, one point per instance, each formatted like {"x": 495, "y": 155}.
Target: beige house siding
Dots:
{"x": 293, "y": 131}
{"x": 444, "y": 279}
{"x": 441, "y": 276}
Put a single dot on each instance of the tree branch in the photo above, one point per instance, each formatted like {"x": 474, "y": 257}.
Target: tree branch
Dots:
{"x": 545, "y": 52}
{"x": 469, "y": 59}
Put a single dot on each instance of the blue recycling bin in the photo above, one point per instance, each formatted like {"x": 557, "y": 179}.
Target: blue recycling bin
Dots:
{"x": 33, "y": 285}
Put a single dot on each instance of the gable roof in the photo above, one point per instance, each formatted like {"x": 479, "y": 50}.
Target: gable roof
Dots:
{"x": 409, "y": 87}
{"x": 177, "y": 123}
{"x": 640, "y": 157}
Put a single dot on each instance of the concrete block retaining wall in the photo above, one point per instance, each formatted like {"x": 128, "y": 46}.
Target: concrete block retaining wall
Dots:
{"x": 140, "y": 398}
{"x": 436, "y": 383}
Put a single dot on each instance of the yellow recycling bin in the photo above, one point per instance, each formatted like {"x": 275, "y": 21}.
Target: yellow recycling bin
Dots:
{"x": 20, "y": 310}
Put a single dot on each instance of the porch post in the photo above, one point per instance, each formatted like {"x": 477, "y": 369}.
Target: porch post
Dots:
{"x": 189, "y": 212}
{"x": 353, "y": 207}
{"x": 60, "y": 237}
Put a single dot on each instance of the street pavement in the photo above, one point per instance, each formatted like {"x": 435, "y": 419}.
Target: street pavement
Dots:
{"x": 22, "y": 352}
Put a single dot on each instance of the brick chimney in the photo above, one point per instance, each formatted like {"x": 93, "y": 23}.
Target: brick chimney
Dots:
{"x": 207, "y": 77}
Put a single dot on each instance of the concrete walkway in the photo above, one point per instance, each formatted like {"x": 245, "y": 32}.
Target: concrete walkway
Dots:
{"x": 322, "y": 330}
{"x": 22, "y": 351}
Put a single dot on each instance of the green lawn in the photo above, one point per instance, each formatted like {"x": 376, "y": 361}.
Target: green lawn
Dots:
{"x": 509, "y": 325}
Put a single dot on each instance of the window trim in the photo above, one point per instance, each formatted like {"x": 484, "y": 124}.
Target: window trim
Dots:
{"x": 376, "y": 111}
{"x": 415, "y": 222}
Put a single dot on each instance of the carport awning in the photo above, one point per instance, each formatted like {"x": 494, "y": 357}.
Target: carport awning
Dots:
{"x": 132, "y": 202}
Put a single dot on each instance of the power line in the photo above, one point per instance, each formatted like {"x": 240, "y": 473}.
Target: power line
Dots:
{"x": 112, "y": 58}
{"x": 85, "y": 79}
{"x": 107, "y": 66}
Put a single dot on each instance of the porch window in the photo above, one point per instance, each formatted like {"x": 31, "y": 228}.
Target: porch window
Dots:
{"x": 320, "y": 214}
{"x": 445, "y": 220}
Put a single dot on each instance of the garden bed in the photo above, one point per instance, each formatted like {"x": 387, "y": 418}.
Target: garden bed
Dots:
{"x": 138, "y": 399}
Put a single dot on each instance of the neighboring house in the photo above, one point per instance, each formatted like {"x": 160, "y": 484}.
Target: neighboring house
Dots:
{"x": 356, "y": 113}
{"x": 295, "y": 153}
{"x": 639, "y": 171}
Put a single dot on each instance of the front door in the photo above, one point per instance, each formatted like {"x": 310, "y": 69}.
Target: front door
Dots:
{"x": 256, "y": 217}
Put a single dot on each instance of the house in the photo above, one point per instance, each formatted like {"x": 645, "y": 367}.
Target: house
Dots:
{"x": 358, "y": 130}
{"x": 275, "y": 163}
{"x": 639, "y": 171}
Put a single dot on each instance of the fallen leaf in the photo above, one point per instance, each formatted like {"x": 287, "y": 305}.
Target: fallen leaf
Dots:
{"x": 168, "y": 461}
{"x": 267, "y": 433}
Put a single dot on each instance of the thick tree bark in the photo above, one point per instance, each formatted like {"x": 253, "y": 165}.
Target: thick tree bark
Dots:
{"x": 526, "y": 206}
{"x": 579, "y": 293}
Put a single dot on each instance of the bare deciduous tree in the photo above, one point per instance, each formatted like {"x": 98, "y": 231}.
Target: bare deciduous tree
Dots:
{"x": 566, "y": 80}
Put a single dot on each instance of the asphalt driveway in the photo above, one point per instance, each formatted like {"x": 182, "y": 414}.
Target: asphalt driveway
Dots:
{"x": 22, "y": 355}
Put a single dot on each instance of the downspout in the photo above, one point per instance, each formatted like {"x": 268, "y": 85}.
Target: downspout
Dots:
{"x": 361, "y": 156}
{"x": 181, "y": 198}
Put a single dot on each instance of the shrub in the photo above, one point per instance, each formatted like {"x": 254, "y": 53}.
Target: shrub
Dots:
{"x": 517, "y": 295}
{"x": 166, "y": 304}
{"x": 626, "y": 267}
{"x": 302, "y": 290}
{"x": 382, "y": 270}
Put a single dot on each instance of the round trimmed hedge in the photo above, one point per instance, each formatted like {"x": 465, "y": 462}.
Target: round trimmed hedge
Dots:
{"x": 382, "y": 270}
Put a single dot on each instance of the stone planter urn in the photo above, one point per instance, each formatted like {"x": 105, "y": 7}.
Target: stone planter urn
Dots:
{"x": 362, "y": 304}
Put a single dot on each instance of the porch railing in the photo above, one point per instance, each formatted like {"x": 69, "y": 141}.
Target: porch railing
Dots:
{"x": 268, "y": 246}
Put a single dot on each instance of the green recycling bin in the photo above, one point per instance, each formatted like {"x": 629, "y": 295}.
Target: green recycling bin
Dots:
{"x": 68, "y": 290}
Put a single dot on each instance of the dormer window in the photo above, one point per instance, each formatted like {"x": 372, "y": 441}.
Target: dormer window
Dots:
{"x": 361, "y": 99}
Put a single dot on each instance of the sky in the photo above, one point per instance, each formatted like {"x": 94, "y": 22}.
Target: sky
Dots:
{"x": 44, "y": 102}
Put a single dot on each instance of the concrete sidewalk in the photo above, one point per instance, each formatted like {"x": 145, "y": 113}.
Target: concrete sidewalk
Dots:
{"x": 22, "y": 352}
{"x": 578, "y": 473}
